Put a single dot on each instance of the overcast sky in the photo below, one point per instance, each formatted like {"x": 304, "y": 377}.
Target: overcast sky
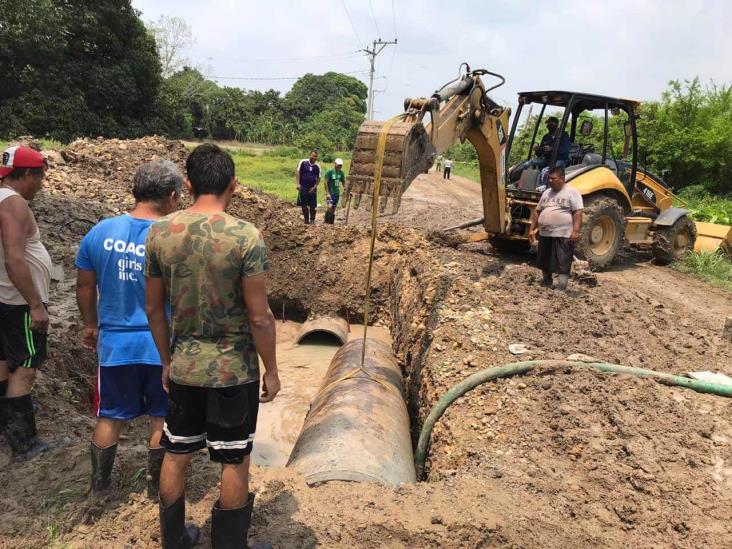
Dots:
{"x": 629, "y": 48}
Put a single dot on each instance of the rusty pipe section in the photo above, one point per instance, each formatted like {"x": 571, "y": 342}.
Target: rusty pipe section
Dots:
{"x": 357, "y": 428}
{"x": 332, "y": 325}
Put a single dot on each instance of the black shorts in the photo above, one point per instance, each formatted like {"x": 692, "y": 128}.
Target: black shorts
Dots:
{"x": 20, "y": 346}
{"x": 223, "y": 419}
{"x": 555, "y": 254}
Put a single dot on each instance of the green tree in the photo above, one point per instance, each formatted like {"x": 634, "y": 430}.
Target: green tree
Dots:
{"x": 687, "y": 136}
{"x": 77, "y": 68}
{"x": 314, "y": 93}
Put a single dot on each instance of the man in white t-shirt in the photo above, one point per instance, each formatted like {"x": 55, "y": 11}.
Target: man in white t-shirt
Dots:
{"x": 448, "y": 169}
{"x": 557, "y": 220}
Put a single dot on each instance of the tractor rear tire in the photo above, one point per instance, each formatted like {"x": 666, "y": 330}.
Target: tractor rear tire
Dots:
{"x": 675, "y": 242}
{"x": 602, "y": 232}
{"x": 509, "y": 246}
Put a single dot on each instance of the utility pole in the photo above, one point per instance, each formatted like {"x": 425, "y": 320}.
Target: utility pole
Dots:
{"x": 378, "y": 46}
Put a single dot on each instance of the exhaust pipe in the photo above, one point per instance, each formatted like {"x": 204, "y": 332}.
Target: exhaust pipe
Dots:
{"x": 357, "y": 428}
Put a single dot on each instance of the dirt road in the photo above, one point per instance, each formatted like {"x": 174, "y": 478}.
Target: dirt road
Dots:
{"x": 431, "y": 203}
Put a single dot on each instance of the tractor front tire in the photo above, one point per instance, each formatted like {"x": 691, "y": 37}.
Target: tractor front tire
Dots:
{"x": 675, "y": 242}
{"x": 602, "y": 233}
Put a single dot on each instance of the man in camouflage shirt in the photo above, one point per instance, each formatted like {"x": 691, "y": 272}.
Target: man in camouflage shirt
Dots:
{"x": 211, "y": 266}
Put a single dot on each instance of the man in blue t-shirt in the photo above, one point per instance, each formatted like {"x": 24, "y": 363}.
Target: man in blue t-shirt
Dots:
{"x": 110, "y": 292}
{"x": 307, "y": 177}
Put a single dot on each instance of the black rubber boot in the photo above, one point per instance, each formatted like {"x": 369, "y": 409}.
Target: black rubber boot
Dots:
{"x": 20, "y": 428}
{"x": 154, "y": 463}
{"x": 102, "y": 460}
{"x": 3, "y": 405}
{"x": 546, "y": 279}
{"x": 175, "y": 533}
{"x": 230, "y": 527}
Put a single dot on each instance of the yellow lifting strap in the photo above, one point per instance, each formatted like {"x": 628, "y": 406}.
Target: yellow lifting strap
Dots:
{"x": 376, "y": 194}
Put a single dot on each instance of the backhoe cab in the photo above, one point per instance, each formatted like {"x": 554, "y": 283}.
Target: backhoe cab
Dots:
{"x": 621, "y": 201}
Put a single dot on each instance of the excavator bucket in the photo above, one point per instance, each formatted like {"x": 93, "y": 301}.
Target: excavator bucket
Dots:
{"x": 408, "y": 153}
{"x": 712, "y": 237}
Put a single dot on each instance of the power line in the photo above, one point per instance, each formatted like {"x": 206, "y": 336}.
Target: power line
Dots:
{"x": 358, "y": 37}
{"x": 373, "y": 16}
{"x": 343, "y": 55}
{"x": 269, "y": 77}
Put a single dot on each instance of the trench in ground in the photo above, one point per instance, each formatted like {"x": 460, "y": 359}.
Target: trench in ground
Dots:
{"x": 302, "y": 368}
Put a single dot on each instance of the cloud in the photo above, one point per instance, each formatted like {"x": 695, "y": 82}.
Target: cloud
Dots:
{"x": 626, "y": 48}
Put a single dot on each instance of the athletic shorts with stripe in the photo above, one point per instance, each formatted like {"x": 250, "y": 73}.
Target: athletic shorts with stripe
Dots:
{"x": 223, "y": 419}
{"x": 20, "y": 346}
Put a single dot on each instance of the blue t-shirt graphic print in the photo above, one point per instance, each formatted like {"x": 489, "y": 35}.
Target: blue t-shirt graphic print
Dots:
{"x": 115, "y": 250}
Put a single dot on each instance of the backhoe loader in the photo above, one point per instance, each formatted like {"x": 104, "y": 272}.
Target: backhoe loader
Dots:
{"x": 622, "y": 201}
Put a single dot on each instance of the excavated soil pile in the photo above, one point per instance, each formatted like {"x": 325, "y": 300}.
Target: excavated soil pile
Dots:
{"x": 102, "y": 169}
{"x": 553, "y": 459}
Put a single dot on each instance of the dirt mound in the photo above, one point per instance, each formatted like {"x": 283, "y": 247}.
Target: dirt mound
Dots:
{"x": 102, "y": 169}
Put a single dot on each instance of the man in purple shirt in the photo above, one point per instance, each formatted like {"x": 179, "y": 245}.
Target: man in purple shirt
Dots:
{"x": 307, "y": 177}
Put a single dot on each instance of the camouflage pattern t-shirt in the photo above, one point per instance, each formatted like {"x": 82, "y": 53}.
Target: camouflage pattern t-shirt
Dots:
{"x": 202, "y": 259}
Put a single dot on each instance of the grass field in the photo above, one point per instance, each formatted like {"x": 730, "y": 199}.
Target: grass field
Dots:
{"x": 274, "y": 174}
{"x": 45, "y": 144}
{"x": 468, "y": 170}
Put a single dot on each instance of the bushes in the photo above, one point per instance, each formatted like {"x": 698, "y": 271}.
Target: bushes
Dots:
{"x": 706, "y": 207}
{"x": 713, "y": 267}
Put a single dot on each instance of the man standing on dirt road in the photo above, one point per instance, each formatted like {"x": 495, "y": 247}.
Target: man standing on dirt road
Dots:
{"x": 110, "y": 261}
{"x": 335, "y": 178}
{"x": 448, "y": 169}
{"x": 25, "y": 281}
{"x": 558, "y": 220}
{"x": 307, "y": 177}
{"x": 211, "y": 266}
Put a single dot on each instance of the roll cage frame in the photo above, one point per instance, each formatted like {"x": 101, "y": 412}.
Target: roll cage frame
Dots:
{"x": 574, "y": 105}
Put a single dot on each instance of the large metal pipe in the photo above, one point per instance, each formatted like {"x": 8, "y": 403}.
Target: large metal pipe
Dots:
{"x": 332, "y": 325}
{"x": 357, "y": 428}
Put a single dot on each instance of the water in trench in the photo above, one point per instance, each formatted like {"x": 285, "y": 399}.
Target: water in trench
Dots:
{"x": 301, "y": 368}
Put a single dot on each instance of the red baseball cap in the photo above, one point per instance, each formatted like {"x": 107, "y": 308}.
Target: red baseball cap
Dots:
{"x": 20, "y": 157}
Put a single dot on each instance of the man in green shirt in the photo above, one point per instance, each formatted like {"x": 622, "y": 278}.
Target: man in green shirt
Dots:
{"x": 335, "y": 178}
{"x": 211, "y": 266}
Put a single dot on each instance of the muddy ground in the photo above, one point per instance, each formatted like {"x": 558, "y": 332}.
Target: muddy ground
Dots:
{"x": 559, "y": 457}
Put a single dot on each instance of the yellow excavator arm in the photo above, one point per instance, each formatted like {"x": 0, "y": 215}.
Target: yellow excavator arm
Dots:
{"x": 459, "y": 110}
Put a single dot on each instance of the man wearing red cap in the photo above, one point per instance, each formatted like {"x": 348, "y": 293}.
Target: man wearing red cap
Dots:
{"x": 25, "y": 279}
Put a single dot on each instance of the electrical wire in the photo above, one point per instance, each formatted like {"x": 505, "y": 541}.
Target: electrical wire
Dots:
{"x": 343, "y": 55}
{"x": 358, "y": 37}
{"x": 373, "y": 16}
{"x": 270, "y": 77}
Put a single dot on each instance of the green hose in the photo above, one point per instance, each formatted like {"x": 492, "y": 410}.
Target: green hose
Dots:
{"x": 517, "y": 368}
